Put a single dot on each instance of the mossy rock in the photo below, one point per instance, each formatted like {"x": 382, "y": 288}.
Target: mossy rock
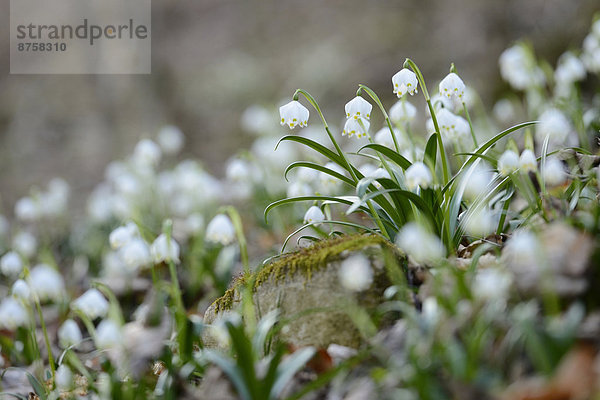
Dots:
{"x": 305, "y": 286}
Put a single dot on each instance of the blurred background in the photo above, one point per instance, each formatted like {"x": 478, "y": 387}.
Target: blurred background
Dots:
{"x": 211, "y": 59}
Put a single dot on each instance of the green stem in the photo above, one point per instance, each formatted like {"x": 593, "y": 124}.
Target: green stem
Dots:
{"x": 375, "y": 98}
{"x": 239, "y": 230}
{"x": 46, "y": 338}
{"x": 470, "y": 124}
{"x": 503, "y": 216}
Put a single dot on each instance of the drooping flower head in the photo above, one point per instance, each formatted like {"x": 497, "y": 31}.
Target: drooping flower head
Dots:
{"x": 356, "y": 127}
{"x": 508, "y": 162}
{"x": 404, "y": 81}
{"x": 358, "y": 108}
{"x": 164, "y": 250}
{"x": 314, "y": 215}
{"x": 356, "y": 273}
{"x": 418, "y": 243}
{"x": 554, "y": 173}
{"x": 418, "y": 175}
{"x": 220, "y": 230}
{"x": 527, "y": 161}
{"x": 293, "y": 114}
{"x": 452, "y": 87}
{"x": 92, "y": 304}
{"x": 402, "y": 111}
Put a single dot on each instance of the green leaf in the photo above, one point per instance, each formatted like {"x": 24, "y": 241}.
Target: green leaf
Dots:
{"x": 231, "y": 370}
{"x": 315, "y": 146}
{"x": 320, "y": 168}
{"x": 339, "y": 199}
{"x": 288, "y": 369}
{"x": 389, "y": 153}
{"x": 38, "y": 388}
{"x": 431, "y": 150}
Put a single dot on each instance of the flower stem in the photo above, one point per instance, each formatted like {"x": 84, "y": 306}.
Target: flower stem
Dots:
{"x": 470, "y": 124}
{"x": 46, "y": 338}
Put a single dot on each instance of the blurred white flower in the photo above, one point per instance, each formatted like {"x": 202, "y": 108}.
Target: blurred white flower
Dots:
{"x": 54, "y": 202}
{"x": 554, "y": 125}
{"x": 508, "y": 162}
{"x": 257, "y": 120}
{"x": 591, "y": 52}
{"x": 170, "y": 139}
{"x": 404, "y": 81}
{"x": 298, "y": 189}
{"x": 355, "y": 273}
{"x": 431, "y": 312}
{"x": 504, "y": 111}
{"x": 554, "y": 173}
{"x": 294, "y": 114}
{"x": 403, "y": 111}
{"x": 307, "y": 175}
{"x": 452, "y": 87}
{"x": 238, "y": 171}
{"x": 358, "y": 107}
{"x": 356, "y": 126}
{"x": 135, "y": 254}
{"x": 123, "y": 235}
{"x": 108, "y": 335}
{"x": 570, "y": 69}
{"x": 46, "y": 283}
{"x": 64, "y": 378}
{"x": 527, "y": 161}
{"x": 164, "y": 250}
{"x": 12, "y": 314}
{"x": 522, "y": 250}
{"x": 452, "y": 127}
{"x": 418, "y": 175}
{"x": 147, "y": 153}
{"x": 20, "y": 290}
{"x": 25, "y": 244}
{"x": 479, "y": 222}
{"x": 384, "y": 138}
{"x": 194, "y": 223}
{"x": 314, "y": 215}
{"x": 27, "y": 209}
{"x": 99, "y": 206}
{"x": 418, "y": 243}
{"x": 491, "y": 283}
{"x": 92, "y": 303}
{"x": 518, "y": 67}
{"x": 327, "y": 182}
{"x": 69, "y": 334}
{"x": 11, "y": 264}
{"x": 476, "y": 180}
{"x": 220, "y": 230}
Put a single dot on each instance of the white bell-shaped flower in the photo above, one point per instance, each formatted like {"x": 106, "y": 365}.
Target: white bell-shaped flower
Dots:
{"x": 527, "y": 161}
{"x": 355, "y": 273}
{"x": 220, "y": 230}
{"x": 452, "y": 87}
{"x": 418, "y": 175}
{"x": 294, "y": 114}
{"x": 136, "y": 254}
{"x": 147, "y": 153}
{"x": 64, "y": 378}
{"x": 356, "y": 127}
{"x": 69, "y": 334}
{"x": 554, "y": 125}
{"x": 404, "y": 81}
{"x": 508, "y": 162}
{"x": 163, "y": 249}
{"x": 570, "y": 69}
{"x": 12, "y": 314}
{"x": 384, "y": 138}
{"x": 27, "y": 209}
{"x": 108, "y": 335}
{"x": 25, "y": 244}
{"x": 123, "y": 235}
{"x": 358, "y": 108}
{"x": 11, "y": 264}
{"x": 418, "y": 243}
{"x": 46, "y": 283}
{"x": 554, "y": 173}
{"x": 20, "y": 290}
{"x": 403, "y": 111}
{"x": 476, "y": 180}
{"x": 92, "y": 304}
{"x": 314, "y": 215}
{"x": 170, "y": 139}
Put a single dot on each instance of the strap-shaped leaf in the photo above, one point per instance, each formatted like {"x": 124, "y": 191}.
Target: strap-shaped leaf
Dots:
{"x": 318, "y": 167}
{"x": 389, "y": 153}
{"x": 289, "y": 200}
{"x": 318, "y": 147}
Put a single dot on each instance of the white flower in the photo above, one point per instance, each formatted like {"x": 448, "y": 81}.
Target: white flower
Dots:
{"x": 307, "y": 175}
{"x": 527, "y": 161}
{"x": 135, "y": 254}
{"x": 27, "y": 209}
{"x": 64, "y": 378}
{"x": 355, "y": 273}
{"x": 11, "y": 264}
{"x": 570, "y": 69}
{"x": 418, "y": 243}
{"x": 438, "y": 101}
{"x": 402, "y": 111}
{"x": 491, "y": 283}
{"x": 314, "y": 215}
{"x": 194, "y": 223}
{"x": 238, "y": 170}
{"x": 69, "y": 334}
{"x": 20, "y": 290}
{"x": 504, "y": 110}
{"x": 108, "y": 335}
{"x": 123, "y": 235}
{"x": 508, "y": 162}
{"x": 554, "y": 173}
{"x": 293, "y": 114}
{"x": 476, "y": 181}
{"x": 384, "y": 138}
{"x": 25, "y": 244}
{"x": 519, "y": 69}
{"x": 356, "y": 126}
{"x": 448, "y": 125}
{"x": 170, "y": 139}
{"x": 329, "y": 182}
{"x": 220, "y": 230}
{"x": 256, "y": 119}
{"x": 298, "y": 189}
{"x": 479, "y": 222}
{"x": 92, "y": 304}
{"x": 164, "y": 250}
{"x": 522, "y": 250}
{"x": 54, "y": 202}
{"x": 46, "y": 283}
{"x": 147, "y": 153}
{"x": 452, "y": 87}
{"x": 431, "y": 312}
{"x": 591, "y": 52}
{"x": 555, "y": 125}
{"x": 404, "y": 81}
{"x": 12, "y": 314}
{"x": 358, "y": 108}
{"x": 418, "y": 175}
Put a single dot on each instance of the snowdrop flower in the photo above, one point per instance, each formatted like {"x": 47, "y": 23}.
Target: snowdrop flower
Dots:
{"x": 504, "y": 111}
{"x": 356, "y": 126}
{"x": 555, "y": 125}
{"x": 570, "y": 69}
{"x": 170, "y": 139}
{"x": 402, "y": 111}
{"x": 358, "y": 108}
{"x": 418, "y": 175}
{"x": 355, "y": 273}
{"x": 69, "y": 334}
{"x": 479, "y": 222}
{"x": 404, "y": 81}
{"x": 476, "y": 181}
{"x": 220, "y": 230}
{"x": 431, "y": 312}
{"x": 306, "y": 175}
{"x": 554, "y": 173}
{"x": 447, "y": 123}
{"x": 384, "y": 138}
{"x": 92, "y": 304}
{"x": 519, "y": 69}
{"x": 123, "y": 235}
{"x": 256, "y": 119}
{"x": 194, "y": 223}
{"x": 522, "y": 250}
{"x": 46, "y": 283}
{"x": 64, "y": 378}
{"x": 54, "y": 202}
{"x": 164, "y": 250}
{"x": 293, "y": 114}
{"x": 329, "y": 182}
{"x": 591, "y": 52}
{"x": 314, "y": 215}
{"x": 27, "y": 209}
{"x": 147, "y": 153}
{"x": 508, "y": 162}
{"x": 438, "y": 101}
{"x": 238, "y": 170}
{"x": 108, "y": 335}
{"x": 12, "y": 314}
{"x": 452, "y": 87}
{"x": 20, "y": 290}
{"x": 418, "y": 243}
{"x": 527, "y": 161}
{"x": 491, "y": 283}
{"x": 25, "y": 244}
{"x": 298, "y": 189}
{"x": 135, "y": 254}
{"x": 11, "y": 264}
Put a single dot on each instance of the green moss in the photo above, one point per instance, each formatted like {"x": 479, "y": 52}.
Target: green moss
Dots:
{"x": 305, "y": 261}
